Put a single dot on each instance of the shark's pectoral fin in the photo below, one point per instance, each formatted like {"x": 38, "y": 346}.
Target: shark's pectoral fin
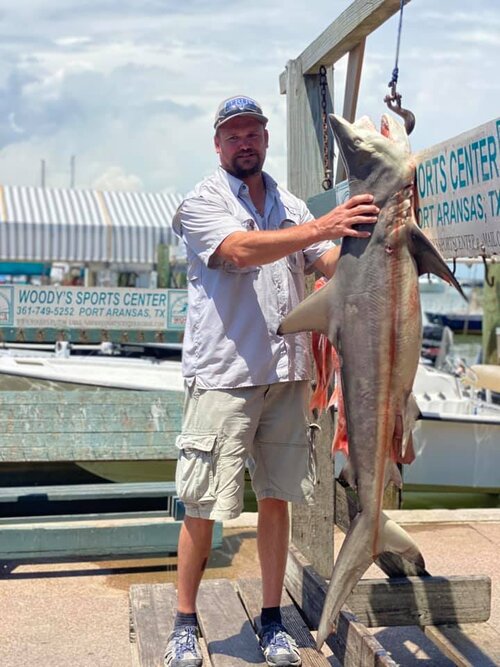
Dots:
{"x": 393, "y": 538}
{"x": 313, "y": 314}
{"x": 428, "y": 259}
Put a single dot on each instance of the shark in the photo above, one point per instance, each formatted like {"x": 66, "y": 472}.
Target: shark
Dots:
{"x": 370, "y": 311}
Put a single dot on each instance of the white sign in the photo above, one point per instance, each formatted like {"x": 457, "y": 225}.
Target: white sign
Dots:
{"x": 92, "y": 307}
{"x": 458, "y": 186}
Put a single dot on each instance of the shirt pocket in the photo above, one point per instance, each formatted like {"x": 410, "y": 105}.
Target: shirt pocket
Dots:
{"x": 194, "y": 475}
{"x": 295, "y": 261}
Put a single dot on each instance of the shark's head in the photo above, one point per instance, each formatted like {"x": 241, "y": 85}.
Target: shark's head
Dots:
{"x": 378, "y": 162}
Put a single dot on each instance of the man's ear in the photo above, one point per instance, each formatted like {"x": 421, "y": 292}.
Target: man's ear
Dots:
{"x": 266, "y": 135}
{"x": 216, "y": 143}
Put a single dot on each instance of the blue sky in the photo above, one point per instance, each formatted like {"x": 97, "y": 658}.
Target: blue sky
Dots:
{"x": 130, "y": 87}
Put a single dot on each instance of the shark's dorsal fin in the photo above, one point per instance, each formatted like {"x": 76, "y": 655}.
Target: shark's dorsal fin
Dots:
{"x": 313, "y": 314}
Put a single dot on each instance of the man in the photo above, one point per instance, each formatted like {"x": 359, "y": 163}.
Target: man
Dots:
{"x": 249, "y": 243}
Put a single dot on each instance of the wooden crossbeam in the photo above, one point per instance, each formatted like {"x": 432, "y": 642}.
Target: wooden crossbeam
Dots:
{"x": 354, "y": 24}
{"x": 66, "y": 537}
{"x": 352, "y": 639}
{"x": 470, "y": 645}
{"x": 394, "y": 602}
{"x": 66, "y": 492}
{"x": 250, "y": 591}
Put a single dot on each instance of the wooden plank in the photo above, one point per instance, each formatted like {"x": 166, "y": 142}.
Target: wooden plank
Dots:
{"x": 87, "y": 491}
{"x": 35, "y": 447}
{"x": 395, "y": 602}
{"x": 305, "y": 132}
{"x": 95, "y": 396}
{"x": 104, "y": 535}
{"x": 352, "y": 643}
{"x": 152, "y": 613}
{"x": 421, "y": 600}
{"x": 251, "y": 594}
{"x": 68, "y": 422}
{"x": 471, "y": 645}
{"x": 358, "y": 21}
{"x": 230, "y": 638}
{"x": 352, "y": 81}
{"x": 34, "y": 539}
{"x": 313, "y": 526}
{"x": 346, "y": 508}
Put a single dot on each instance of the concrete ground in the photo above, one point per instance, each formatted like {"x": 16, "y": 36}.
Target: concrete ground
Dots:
{"x": 76, "y": 615}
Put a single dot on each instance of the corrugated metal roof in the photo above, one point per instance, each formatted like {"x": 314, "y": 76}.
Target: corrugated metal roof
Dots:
{"x": 55, "y": 224}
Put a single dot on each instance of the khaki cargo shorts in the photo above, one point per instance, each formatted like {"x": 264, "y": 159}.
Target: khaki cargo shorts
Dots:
{"x": 264, "y": 427}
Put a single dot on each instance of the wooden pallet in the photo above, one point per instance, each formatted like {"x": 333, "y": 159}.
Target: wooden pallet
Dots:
{"x": 227, "y": 612}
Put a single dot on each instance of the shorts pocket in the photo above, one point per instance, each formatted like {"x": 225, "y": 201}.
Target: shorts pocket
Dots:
{"x": 194, "y": 475}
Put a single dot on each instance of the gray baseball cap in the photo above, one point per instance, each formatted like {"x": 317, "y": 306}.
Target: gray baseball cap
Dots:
{"x": 240, "y": 105}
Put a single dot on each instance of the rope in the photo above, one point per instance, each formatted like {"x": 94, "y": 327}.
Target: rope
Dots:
{"x": 395, "y": 71}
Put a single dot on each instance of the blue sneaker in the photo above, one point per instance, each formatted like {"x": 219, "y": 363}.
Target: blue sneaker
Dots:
{"x": 279, "y": 649}
{"x": 183, "y": 649}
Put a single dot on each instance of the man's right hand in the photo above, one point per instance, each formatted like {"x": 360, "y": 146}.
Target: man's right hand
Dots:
{"x": 339, "y": 222}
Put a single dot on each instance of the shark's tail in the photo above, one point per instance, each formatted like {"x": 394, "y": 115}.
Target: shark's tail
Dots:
{"x": 361, "y": 547}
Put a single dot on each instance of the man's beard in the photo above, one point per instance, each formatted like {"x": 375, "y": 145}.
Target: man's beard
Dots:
{"x": 244, "y": 172}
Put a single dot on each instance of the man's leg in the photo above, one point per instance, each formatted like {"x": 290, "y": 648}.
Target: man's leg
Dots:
{"x": 195, "y": 541}
{"x": 272, "y": 544}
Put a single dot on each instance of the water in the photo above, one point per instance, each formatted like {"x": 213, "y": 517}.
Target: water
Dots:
{"x": 468, "y": 347}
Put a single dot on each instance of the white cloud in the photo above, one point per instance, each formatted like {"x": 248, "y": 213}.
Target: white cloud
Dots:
{"x": 114, "y": 178}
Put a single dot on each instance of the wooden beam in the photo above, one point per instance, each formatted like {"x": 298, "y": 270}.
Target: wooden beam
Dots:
{"x": 352, "y": 643}
{"x": 353, "y": 78}
{"x": 305, "y": 131}
{"x": 360, "y": 19}
{"x": 84, "y": 536}
{"x": 312, "y": 530}
{"x": 468, "y": 645}
{"x": 230, "y": 638}
{"x": 250, "y": 591}
{"x": 152, "y": 613}
{"x": 394, "y": 602}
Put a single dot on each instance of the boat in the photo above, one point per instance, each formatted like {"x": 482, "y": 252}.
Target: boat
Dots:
{"x": 457, "y": 439}
{"x": 462, "y": 323}
{"x": 104, "y": 372}
{"x": 431, "y": 283}
{"x": 32, "y": 369}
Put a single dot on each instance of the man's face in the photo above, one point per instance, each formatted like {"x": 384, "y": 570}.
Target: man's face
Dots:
{"x": 241, "y": 144}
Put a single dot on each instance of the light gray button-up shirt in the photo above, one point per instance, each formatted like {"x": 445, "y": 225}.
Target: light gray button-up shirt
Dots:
{"x": 230, "y": 338}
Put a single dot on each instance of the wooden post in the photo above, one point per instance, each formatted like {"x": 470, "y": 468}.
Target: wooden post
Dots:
{"x": 312, "y": 529}
{"x": 163, "y": 263}
{"x": 491, "y": 315}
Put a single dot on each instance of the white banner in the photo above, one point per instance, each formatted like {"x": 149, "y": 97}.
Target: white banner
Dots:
{"x": 92, "y": 307}
{"x": 458, "y": 186}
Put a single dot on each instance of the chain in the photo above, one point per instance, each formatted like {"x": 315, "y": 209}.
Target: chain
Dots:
{"x": 323, "y": 84}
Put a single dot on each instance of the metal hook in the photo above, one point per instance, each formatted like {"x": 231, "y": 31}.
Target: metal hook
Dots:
{"x": 393, "y": 101}
{"x": 489, "y": 281}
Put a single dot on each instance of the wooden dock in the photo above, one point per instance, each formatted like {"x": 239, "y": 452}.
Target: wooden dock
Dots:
{"x": 450, "y": 611}
{"x": 228, "y": 613}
